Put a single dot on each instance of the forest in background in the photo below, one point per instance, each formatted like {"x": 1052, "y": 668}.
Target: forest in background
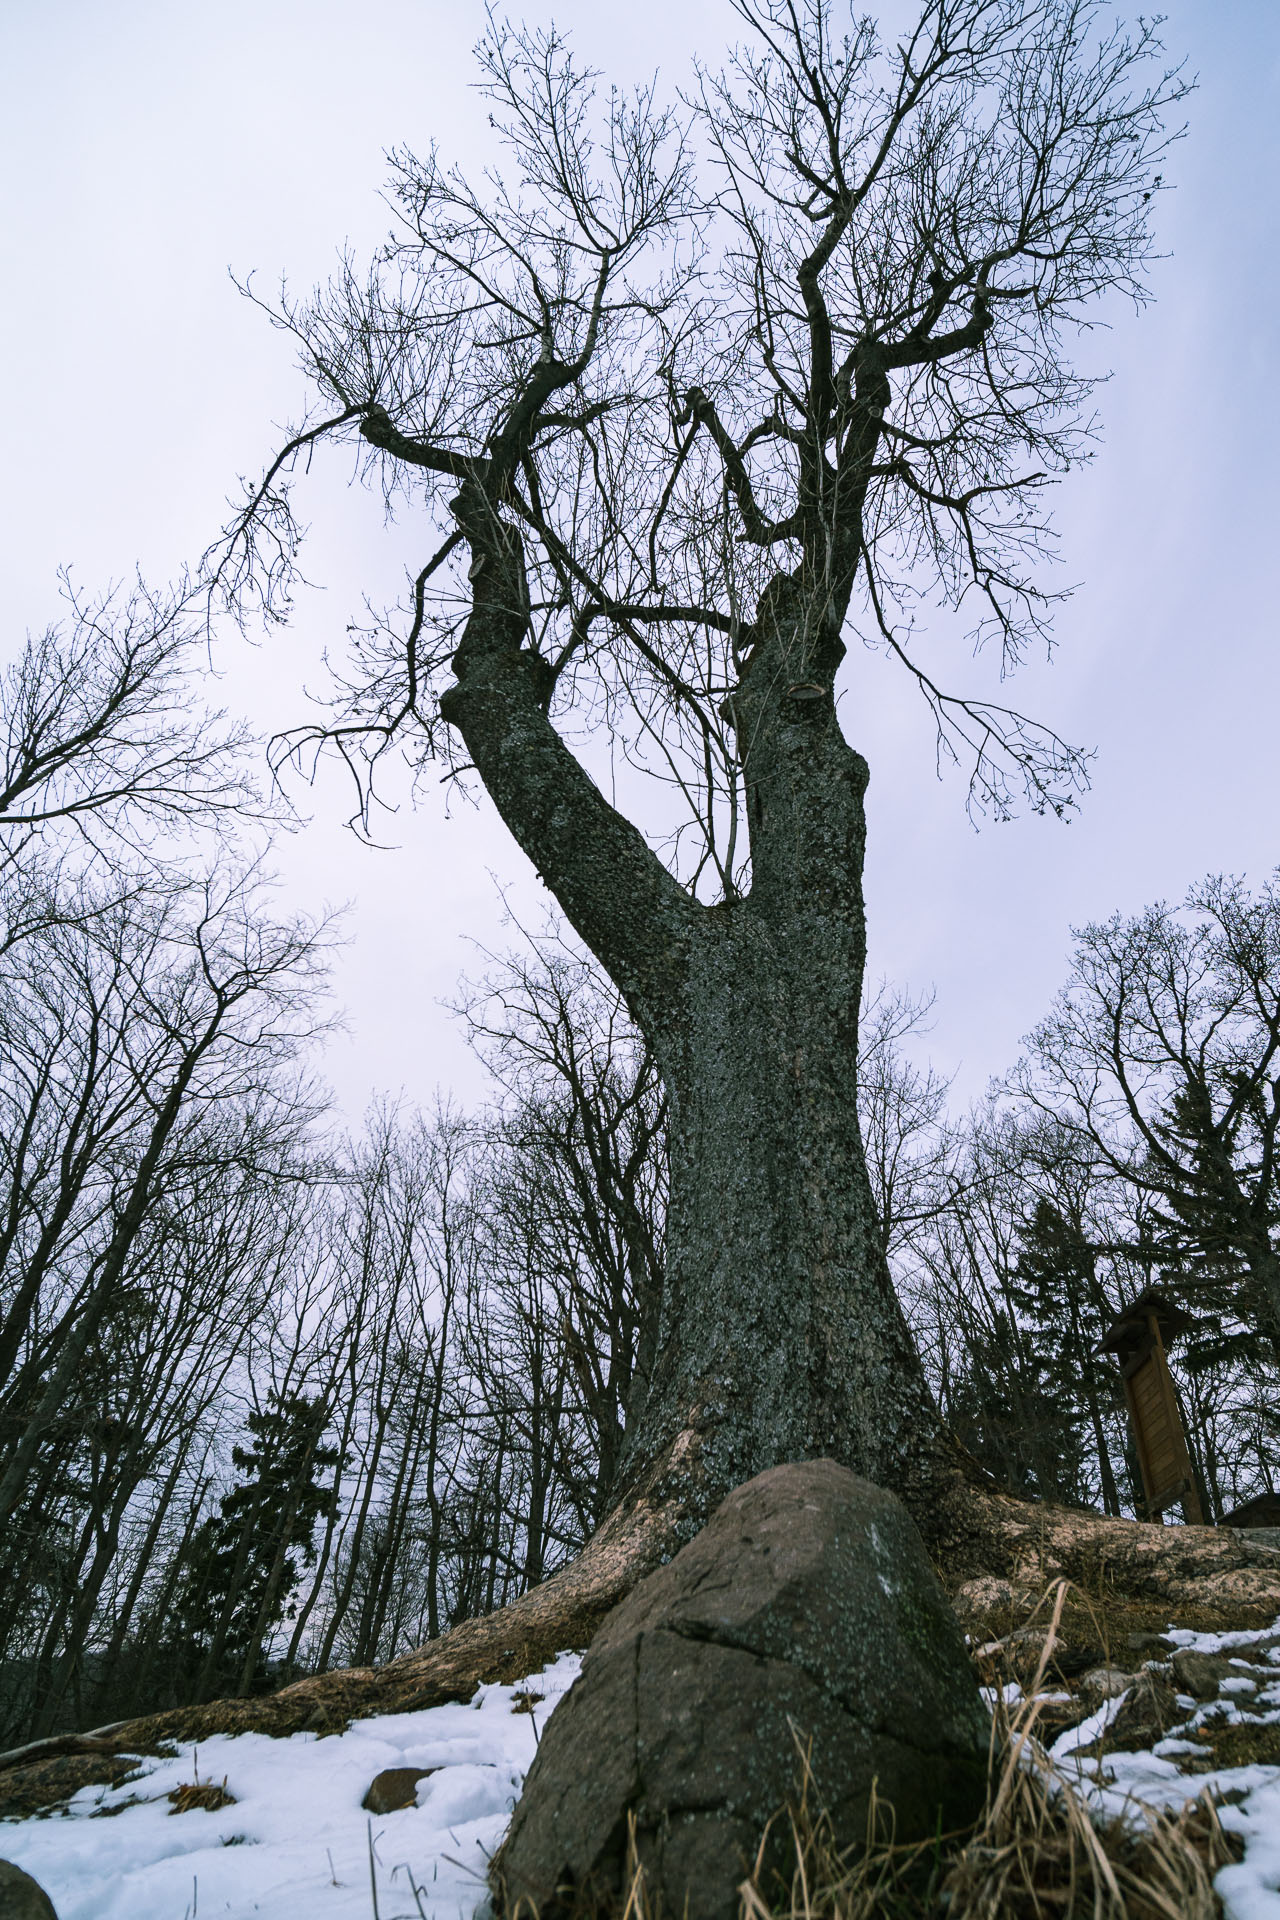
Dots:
{"x": 275, "y": 1397}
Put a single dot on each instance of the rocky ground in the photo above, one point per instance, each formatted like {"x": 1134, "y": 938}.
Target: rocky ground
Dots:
{"x": 1141, "y": 1714}
{"x": 1140, "y": 1674}
{"x": 1135, "y": 1716}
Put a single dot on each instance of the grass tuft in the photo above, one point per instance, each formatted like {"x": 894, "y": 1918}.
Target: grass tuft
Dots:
{"x": 1036, "y": 1852}
{"x": 207, "y": 1794}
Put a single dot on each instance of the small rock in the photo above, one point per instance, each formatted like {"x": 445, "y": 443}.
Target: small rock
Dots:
{"x": 1156, "y": 1646}
{"x": 1146, "y": 1716}
{"x": 21, "y": 1897}
{"x": 1071, "y": 1661}
{"x": 806, "y": 1606}
{"x": 980, "y": 1603}
{"x": 1106, "y": 1683}
{"x": 394, "y": 1788}
{"x": 1201, "y": 1674}
{"x": 1019, "y": 1654}
{"x": 1057, "y": 1713}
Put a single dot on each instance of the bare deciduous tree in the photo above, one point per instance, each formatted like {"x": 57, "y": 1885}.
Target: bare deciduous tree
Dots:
{"x": 578, "y": 1177}
{"x": 131, "y": 1032}
{"x": 100, "y": 731}
{"x": 1163, "y": 1055}
{"x": 685, "y": 398}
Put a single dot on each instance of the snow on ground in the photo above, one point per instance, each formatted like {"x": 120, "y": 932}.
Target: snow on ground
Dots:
{"x": 1122, "y": 1784}
{"x": 296, "y": 1843}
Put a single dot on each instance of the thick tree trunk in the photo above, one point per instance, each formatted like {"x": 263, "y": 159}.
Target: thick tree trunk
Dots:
{"x": 781, "y": 1337}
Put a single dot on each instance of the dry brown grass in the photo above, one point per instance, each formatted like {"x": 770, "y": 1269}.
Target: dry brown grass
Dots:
{"x": 206, "y": 1794}
{"x": 1034, "y": 1854}
{"x": 1037, "y": 1851}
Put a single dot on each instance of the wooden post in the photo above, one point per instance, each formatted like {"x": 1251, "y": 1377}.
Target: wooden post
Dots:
{"x": 1138, "y": 1341}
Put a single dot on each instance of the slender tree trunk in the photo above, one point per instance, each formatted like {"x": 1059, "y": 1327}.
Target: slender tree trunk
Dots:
{"x": 75, "y": 1159}
{"x": 146, "y": 1553}
{"x": 159, "y": 1614}
{"x": 235, "y": 1581}
{"x": 1263, "y": 1264}
{"x": 326, "y": 1549}
{"x": 39, "y": 1713}
{"x": 431, "y": 1477}
{"x": 1106, "y": 1475}
{"x": 70, "y": 1665}
{"x": 497, "y": 1505}
{"x": 389, "y": 1575}
{"x": 111, "y": 1267}
{"x": 284, "y": 1541}
{"x": 342, "y": 1600}
{"x": 395, "y": 1523}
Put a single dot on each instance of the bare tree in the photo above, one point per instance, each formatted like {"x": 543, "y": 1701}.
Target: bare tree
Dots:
{"x": 1012, "y": 1280}
{"x": 576, "y": 1180}
{"x": 685, "y": 398}
{"x": 1162, "y": 1055}
{"x": 155, "y": 1379}
{"x": 909, "y": 1140}
{"x": 100, "y": 730}
{"x": 196, "y": 1001}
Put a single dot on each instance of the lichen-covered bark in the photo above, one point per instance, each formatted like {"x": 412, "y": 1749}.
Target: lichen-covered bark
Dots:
{"x": 780, "y": 1337}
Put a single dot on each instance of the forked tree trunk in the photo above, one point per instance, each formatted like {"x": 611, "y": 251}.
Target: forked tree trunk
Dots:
{"x": 781, "y": 1337}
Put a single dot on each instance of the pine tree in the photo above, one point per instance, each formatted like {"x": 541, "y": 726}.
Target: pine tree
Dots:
{"x": 1065, "y": 1312}
{"x": 243, "y": 1563}
{"x": 1011, "y": 1413}
{"x": 1215, "y": 1232}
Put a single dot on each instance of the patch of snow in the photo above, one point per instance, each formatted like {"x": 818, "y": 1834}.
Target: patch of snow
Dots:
{"x": 296, "y": 1843}
{"x": 1251, "y": 1890}
{"x": 1088, "y": 1730}
{"x": 1123, "y": 1785}
{"x": 1218, "y": 1642}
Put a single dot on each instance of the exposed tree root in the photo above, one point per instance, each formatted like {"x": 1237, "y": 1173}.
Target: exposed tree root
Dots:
{"x": 995, "y": 1554}
{"x": 563, "y": 1612}
{"x": 985, "y": 1540}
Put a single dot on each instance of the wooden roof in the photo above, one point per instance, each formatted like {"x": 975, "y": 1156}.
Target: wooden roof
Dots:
{"x": 1134, "y": 1323}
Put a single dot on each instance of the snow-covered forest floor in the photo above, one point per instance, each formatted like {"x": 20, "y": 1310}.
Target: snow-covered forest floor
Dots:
{"x": 1119, "y": 1785}
{"x": 294, "y": 1842}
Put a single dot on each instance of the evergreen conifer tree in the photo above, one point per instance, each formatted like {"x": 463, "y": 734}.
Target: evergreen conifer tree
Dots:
{"x": 243, "y": 1563}
{"x": 1065, "y": 1312}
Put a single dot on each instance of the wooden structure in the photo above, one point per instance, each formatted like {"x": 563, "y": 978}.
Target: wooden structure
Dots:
{"x": 1139, "y": 1339}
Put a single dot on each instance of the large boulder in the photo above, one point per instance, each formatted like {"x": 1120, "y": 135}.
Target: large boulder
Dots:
{"x": 805, "y": 1609}
{"x": 21, "y": 1897}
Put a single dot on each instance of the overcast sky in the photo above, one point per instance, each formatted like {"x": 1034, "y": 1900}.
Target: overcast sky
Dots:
{"x": 149, "y": 147}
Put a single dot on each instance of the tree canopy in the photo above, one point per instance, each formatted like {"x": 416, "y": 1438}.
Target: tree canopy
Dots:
{"x": 818, "y": 315}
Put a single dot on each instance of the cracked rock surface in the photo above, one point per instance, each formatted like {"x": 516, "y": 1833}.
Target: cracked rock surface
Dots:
{"x": 806, "y": 1603}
